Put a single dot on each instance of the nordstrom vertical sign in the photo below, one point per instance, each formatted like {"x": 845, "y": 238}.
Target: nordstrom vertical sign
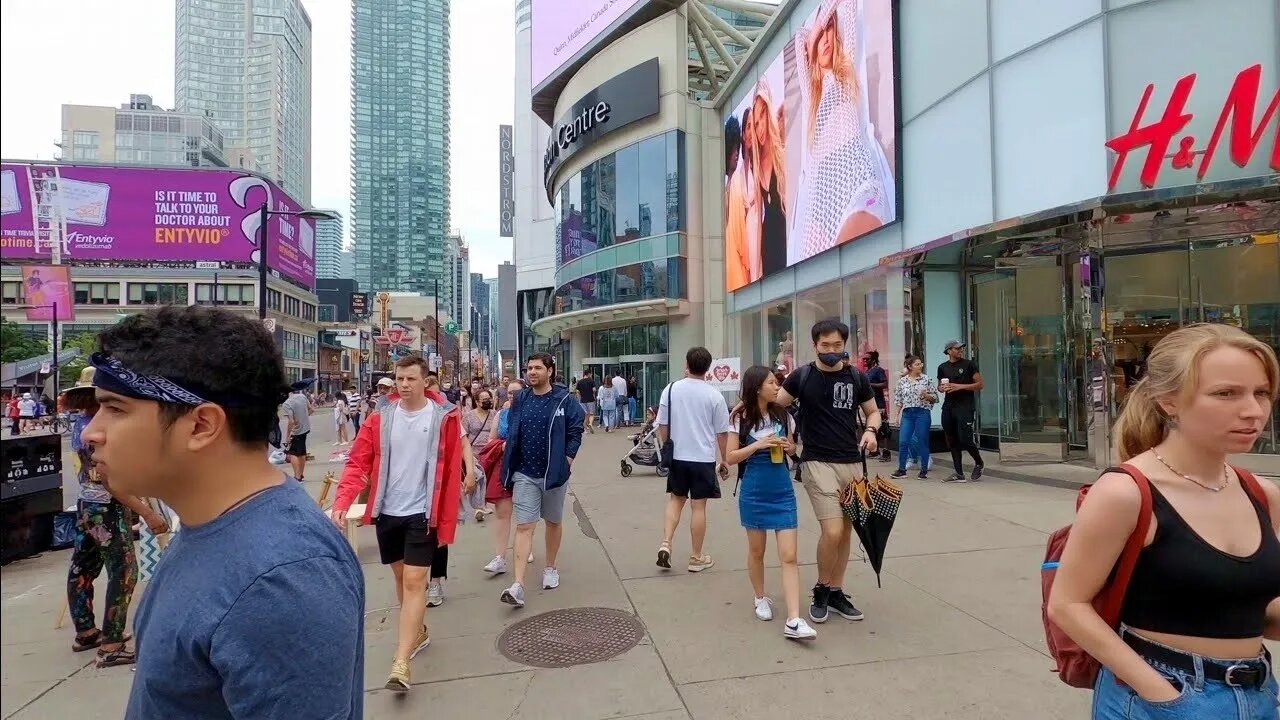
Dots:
{"x": 506, "y": 182}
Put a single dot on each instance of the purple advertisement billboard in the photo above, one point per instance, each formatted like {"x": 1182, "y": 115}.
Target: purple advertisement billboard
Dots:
{"x": 158, "y": 214}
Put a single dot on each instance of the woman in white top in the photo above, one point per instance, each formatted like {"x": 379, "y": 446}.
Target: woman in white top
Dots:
{"x": 340, "y": 416}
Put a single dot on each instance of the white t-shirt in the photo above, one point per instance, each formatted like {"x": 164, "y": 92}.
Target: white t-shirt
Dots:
{"x": 26, "y": 408}
{"x": 619, "y": 387}
{"x": 340, "y": 411}
{"x": 701, "y": 414}
{"x": 407, "y": 490}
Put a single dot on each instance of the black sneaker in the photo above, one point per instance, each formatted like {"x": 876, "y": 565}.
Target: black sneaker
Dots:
{"x": 885, "y": 456}
{"x": 923, "y": 476}
{"x": 898, "y": 474}
{"x": 977, "y": 472}
{"x": 841, "y": 605}
{"x": 818, "y": 610}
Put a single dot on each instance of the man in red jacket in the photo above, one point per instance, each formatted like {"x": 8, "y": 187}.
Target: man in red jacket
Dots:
{"x": 411, "y": 455}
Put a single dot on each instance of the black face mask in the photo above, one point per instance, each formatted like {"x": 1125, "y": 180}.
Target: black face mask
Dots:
{"x": 830, "y": 359}
{"x": 486, "y": 404}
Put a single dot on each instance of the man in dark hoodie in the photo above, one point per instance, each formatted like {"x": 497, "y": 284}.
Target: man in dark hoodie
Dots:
{"x": 543, "y": 436}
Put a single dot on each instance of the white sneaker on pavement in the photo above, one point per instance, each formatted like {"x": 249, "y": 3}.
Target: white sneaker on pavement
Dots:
{"x": 764, "y": 608}
{"x": 435, "y": 594}
{"x": 550, "y": 578}
{"x": 497, "y": 565}
{"x": 798, "y": 629}
{"x": 513, "y": 595}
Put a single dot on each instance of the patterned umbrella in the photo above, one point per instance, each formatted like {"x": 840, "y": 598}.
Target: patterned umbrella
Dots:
{"x": 872, "y": 505}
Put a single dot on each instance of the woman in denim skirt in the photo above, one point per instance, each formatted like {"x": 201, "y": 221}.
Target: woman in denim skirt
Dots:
{"x": 1205, "y": 591}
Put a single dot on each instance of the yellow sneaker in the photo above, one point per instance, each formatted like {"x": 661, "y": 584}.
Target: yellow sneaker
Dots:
{"x": 424, "y": 639}
{"x": 398, "y": 680}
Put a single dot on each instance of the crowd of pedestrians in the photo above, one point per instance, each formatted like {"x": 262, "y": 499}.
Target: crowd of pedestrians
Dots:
{"x": 204, "y": 388}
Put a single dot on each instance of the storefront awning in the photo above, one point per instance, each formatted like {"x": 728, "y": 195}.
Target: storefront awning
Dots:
{"x": 610, "y": 316}
{"x": 16, "y": 372}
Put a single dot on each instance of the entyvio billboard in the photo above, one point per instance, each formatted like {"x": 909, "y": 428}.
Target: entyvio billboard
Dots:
{"x": 159, "y": 214}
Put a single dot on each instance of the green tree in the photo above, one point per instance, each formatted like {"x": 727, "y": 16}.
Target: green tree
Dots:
{"x": 16, "y": 345}
{"x": 86, "y": 343}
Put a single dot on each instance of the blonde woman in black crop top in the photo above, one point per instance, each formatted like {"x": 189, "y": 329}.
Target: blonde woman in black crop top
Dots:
{"x": 1206, "y": 589}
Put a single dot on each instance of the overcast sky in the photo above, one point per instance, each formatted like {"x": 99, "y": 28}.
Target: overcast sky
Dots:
{"x": 97, "y": 52}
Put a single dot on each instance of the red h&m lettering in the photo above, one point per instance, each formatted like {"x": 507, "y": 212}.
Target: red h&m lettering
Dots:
{"x": 1156, "y": 137}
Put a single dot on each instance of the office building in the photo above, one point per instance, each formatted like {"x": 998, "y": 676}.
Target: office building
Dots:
{"x": 400, "y": 142}
{"x": 248, "y": 65}
{"x": 456, "y": 288}
{"x": 140, "y": 133}
{"x": 347, "y": 262}
{"x": 479, "y": 312}
{"x": 329, "y": 248}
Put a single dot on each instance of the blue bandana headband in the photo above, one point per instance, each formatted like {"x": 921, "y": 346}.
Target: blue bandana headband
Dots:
{"x": 112, "y": 376}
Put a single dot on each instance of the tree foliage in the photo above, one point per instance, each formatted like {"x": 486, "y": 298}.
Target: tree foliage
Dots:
{"x": 16, "y": 345}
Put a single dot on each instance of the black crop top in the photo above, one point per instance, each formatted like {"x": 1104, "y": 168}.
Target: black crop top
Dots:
{"x": 1182, "y": 585}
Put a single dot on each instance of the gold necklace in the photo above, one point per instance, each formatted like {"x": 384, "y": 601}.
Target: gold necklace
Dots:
{"x": 1226, "y": 479}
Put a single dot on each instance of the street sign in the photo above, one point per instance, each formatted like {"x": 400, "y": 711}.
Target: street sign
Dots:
{"x": 359, "y": 304}
{"x": 364, "y": 354}
{"x": 399, "y": 336}
{"x": 269, "y": 324}
{"x": 435, "y": 361}
{"x": 451, "y": 328}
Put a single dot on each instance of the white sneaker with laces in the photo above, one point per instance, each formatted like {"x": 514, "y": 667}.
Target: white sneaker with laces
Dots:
{"x": 798, "y": 629}
{"x": 764, "y": 609}
{"x": 497, "y": 565}
{"x": 550, "y": 578}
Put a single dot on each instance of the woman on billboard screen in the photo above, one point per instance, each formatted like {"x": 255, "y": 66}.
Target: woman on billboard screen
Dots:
{"x": 842, "y": 193}
{"x": 769, "y": 156}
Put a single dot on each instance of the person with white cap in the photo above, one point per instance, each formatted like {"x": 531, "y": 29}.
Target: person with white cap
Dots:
{"x": 386, "y": 390}
{"x": 26, "y": 412}
{"x": 959, "y": 381}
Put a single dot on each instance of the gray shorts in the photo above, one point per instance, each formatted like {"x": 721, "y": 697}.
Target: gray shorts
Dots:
{"x": 589, "y": 408}
{"x": 531, "y": 501}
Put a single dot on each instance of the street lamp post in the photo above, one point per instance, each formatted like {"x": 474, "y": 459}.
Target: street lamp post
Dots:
{"x": 264, "y": 214}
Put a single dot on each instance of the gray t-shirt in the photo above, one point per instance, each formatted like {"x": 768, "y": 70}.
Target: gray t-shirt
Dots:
{"x": 258, "y": 613}
{"x": 299, "y": 410}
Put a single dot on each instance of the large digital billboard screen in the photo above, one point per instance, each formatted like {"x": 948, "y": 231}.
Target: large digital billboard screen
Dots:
{"x": 562, "y": 28}
{"x": 161, "y": 215}
{"x": 811, "y": 151}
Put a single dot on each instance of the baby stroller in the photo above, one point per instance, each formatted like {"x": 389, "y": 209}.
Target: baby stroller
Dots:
{"x": 644, "y": 451}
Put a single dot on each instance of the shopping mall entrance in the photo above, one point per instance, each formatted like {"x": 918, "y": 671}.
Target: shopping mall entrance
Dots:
{"x": 1027, "y": 349}
{"x": 650, "y": 372}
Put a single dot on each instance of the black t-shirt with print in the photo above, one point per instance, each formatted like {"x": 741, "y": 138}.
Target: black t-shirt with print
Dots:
{"x": 958, "y": 373}
{"x": 829, "y": 406}
{"x": 586, "y": 390}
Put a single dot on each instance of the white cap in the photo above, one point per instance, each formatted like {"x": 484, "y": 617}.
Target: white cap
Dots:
{"x": 386, "y": 381}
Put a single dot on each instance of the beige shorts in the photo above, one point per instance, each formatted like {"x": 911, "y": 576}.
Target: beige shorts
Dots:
{"x": 824, "y": 481}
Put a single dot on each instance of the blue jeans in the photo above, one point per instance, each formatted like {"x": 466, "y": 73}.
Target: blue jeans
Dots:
{"x": 913, "y": 437}
{"x": 1201, "y": 699}
{"x": 610, "y": 418}
{"x": 631, "y": 410}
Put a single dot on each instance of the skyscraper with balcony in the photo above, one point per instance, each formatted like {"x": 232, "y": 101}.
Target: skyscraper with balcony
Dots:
{"x": 400, "y": 143}
{"x": 329, "y": 249}
{"x": 247, "y": 64}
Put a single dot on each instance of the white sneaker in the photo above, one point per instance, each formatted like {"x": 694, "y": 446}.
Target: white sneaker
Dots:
{"x": 531, "y": 557}
{"x": 550, "y": 578}
{"x": 513, "y": 595}
{"x": 497, "y": 565}
{"x": 764, "y": 609}
{"x": 798, "y": 629}
{"x": 435, "y": 594}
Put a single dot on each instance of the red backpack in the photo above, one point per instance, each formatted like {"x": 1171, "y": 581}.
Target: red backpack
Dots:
{"x": 1075, "y": 666}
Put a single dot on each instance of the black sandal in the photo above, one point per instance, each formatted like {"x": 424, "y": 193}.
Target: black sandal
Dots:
{"x": 120, "y": 656}
{"x": 87, "y": 642}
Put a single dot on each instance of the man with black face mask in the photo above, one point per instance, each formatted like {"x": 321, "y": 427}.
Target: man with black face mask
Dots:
{"x": 833, "y": 440}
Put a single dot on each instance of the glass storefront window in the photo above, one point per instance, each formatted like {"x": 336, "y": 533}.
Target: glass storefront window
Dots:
{"x": 780, "y": 346}
{"x": 649, "y": 280}
{"x": 634, "y": 193}
{"x": 819, "y": 303}
{"x": 868, "y": 316}
{"x": 643, "y": 339}
{"x": 747, "y": 343}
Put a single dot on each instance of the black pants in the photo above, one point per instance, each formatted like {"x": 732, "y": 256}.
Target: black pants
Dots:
{"x": 355, "y": 421}
{"x": 957, "y": 427}
{"x": 440, "y": 562}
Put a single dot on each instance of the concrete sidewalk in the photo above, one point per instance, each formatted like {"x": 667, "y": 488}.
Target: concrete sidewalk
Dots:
{"x": 954, "y": 632}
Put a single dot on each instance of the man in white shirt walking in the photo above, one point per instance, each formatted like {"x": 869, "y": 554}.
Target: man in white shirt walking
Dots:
{"x": 620, "y": 398}
{"x": 694, "y": 416}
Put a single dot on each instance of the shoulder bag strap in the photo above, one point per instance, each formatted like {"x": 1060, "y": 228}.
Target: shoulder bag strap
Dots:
{"x": 1128, "y": 560}
{"x": 1252, "y": 487}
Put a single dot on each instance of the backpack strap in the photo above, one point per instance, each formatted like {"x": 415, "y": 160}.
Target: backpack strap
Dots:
{"x": 1113, "y": 594}
{"x": 1254, "y": 489}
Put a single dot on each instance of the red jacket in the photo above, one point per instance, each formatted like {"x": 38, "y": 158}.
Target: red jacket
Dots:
{"x": 365, "y": 461}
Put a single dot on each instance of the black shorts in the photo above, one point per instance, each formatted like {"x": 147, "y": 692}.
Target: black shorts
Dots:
{"x": 695, "y": 480}
{"x": 297, "y": 445}
{"x": 408, "y": 539}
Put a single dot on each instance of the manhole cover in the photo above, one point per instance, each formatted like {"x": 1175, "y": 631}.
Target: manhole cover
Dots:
{"x": 576, "y": 636}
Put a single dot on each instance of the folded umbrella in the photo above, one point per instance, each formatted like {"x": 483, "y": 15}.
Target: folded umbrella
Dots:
{"x": 872, "y": 506}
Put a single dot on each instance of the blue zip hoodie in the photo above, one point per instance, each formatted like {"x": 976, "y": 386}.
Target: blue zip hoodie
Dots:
{"x": 566, "y": 437}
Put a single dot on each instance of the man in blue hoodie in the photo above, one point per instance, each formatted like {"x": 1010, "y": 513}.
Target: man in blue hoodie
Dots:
{"x": 543, "y": 436}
